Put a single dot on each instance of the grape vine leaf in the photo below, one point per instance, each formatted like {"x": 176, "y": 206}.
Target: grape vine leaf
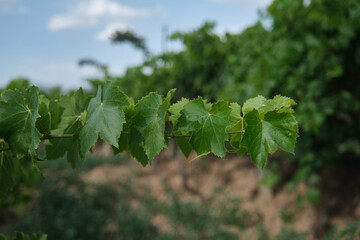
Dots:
{"x": 23, "y": 236}
{"x": 263, "y": 135}
{"x": 49, "y": 114}
{"x": 148, "y": 124}
{"x": 236, "y": 125}
{"x": 184, "y": 145}
{"x": 18, "y": 113}
{"x": 278, "y": 103}
{"x": 105, "y": 118}
{"x": 8, "y": 170}
{"x": 135, "y": 147}
{"x": 175, "y": 110}
{"x": 207, "y": 124}
{"x": 253, "y": 103}
{"x": 73, "y": 115}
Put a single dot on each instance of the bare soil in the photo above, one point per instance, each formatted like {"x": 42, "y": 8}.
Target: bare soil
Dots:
{"x": 197, "y": 180}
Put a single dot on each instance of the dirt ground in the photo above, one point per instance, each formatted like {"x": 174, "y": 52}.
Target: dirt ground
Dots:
{"x": 197, "y": 180}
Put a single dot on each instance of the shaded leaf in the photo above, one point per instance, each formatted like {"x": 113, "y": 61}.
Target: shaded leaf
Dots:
{"x": 149, "y": 122}
{"x": 8, "y": 170}
{"x": 74, "y": 109}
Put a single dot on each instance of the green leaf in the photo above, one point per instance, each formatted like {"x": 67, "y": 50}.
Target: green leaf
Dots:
{"x": 149, "y": 123}
{"x": 138, "y": 152}
{"x": 21, "y": 236}
{"x": 49, "y": 115}
{"x": 184, "y": 145}
{"x": 208, "y": 125}
{"x": 236, "y": 125}
{"x": 74, "y": 108}
{"x": 253, "y": 103}
{"x": 135, "y": 147}
{"x": 34, "y": 236}
{"x": 263, "y": 136}
{"x": 3, "y": 237}
{"x": 105, "y": 118}
{"x": 176, "y": 109}
{"x": 39, "y": 236}
{"x": 278, "y": 103}
{"x": 43, "y": 119}
{"x": 8, "y": 170}
{"x": 18, "y": 115}
{"x": 134, "y": 142}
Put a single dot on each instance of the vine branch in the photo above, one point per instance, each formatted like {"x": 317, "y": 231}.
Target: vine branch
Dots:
{"x": 173, "y": 136}
{"x": 41, "y": 126}
{"x": 57, "y": 136}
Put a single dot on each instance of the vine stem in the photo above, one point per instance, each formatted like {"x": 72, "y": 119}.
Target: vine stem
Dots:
{"x": 173, "y": 136}
{"x": 49, "y": 123}
{"x": 235, "y": 132}
{"x": 56, "y": 136}
{"x": 41, "y": 126}
{"x": 170, "y": 125}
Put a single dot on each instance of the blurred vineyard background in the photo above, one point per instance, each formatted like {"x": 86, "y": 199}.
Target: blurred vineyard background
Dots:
{"x": 307, "y": 50}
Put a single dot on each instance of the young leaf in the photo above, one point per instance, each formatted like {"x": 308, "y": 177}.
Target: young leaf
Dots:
{"x": 278, "y": 103}
{"x": 176, "y": 109}
{"x": 253, "y": 103}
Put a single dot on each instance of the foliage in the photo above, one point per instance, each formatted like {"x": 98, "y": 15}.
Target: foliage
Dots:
{"x": 307, "y": 50}
{"x": 22, "y": 236}
{"x": 193, "y": 72}
{"x": 72, "y": 124}
{"x": 70, "y": 210}
{"x": 215, "y": 219}
{"x": 311, "y": 54}
{"x": 350, "y": 232}
{"x": 18, "y": 83}
{"x": 131, "y": 37}
{"x": 67, "y": 208}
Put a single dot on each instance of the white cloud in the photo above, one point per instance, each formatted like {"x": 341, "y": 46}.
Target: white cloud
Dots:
{"x": 92, "y": 12}
{"x": 105, "y": 34}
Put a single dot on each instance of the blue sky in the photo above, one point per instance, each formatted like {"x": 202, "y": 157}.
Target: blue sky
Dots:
{"x": 43, "y": 40}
